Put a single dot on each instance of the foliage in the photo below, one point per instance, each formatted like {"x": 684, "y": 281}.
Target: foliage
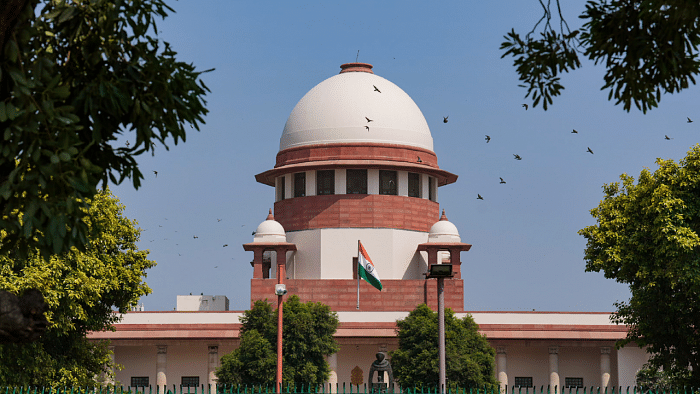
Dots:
{"x": 647, "y": 236}
{"x": 81, "y": 290}
{"x": 655, "y": 380}
{"x": 469, "y": 357}
{"x": 307, "y": 338}
{"x": 74, "y": 76}
{"x": 647, "y": 47}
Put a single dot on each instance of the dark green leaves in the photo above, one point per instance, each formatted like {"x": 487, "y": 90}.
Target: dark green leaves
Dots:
{"x": 648, "y": 48}
{"x": 75, "y": 76}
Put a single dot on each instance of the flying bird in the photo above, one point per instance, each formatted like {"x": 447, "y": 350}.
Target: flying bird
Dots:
{"x": 517, "y": 157}
{"x": 444, "y": 119}
{"x": 195, "y": 237}
{"x": 667, "y": 137}
{"x": 225, "y": 245}
{"x": 488, "y": 139}
{"x": 690, "y": 121}
{"x": 156, "y": 172}
{"x": 502, "y": 181}
{"x": 590, "y": 151}
{"x": 525, "y": 105}
{"x": 369, "y": 120}
{"x": 127, "y": 143}
{"x": 367, "y": 127}
{"x": 574, "y": 132}
{"x": 218, "y": 220}
{"x": 478, "y": 196}
{"x": 253, "y": 233}
{"x": 376, "y": 90}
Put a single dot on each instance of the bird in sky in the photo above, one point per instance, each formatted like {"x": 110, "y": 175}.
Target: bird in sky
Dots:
{"x": 517, "y": 157}
{"x": 367, "y": 127}
{"x": 376, "y": 90}
{"x": 127, "y": 143}
{"x": 574, "y": 132}
{"x": 218, "y": 220}
{"x": 488, "y": 139}
{"x": 502, "y": 181}
{"x": 253, "y": 233}
{"x": 225, "y": 245}
{"x": 667, "y": 137}
{"x": 590, "y": 151}
{"x": 478, "y": 196}
{"x": 690, "y": 121}
{"x": 525, "y": 105}
{"x": 444, "y": 119}
{"x": 369, "y": 120}
{"x": 195, "y": 237}
{"x": 156, "y": 172}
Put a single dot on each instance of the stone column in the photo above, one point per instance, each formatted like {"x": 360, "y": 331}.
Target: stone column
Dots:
{"x": 554, "y": 369}
{"x": 501, "y": 368}
{"x": 212, "y": 365}
{"x": 161, "y": 367}
{"x": 333, "y": 376}
{"x": 604, "y": 366}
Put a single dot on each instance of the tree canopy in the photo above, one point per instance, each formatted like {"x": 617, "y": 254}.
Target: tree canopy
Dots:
{"x": 75, "y": 76}
{"x": 81, "y": 289}
{"x": 647, "y": 235}
{"x": 648, "y": 48}
{"x": 470, "y": 359}
{"x": 307, "y": 338}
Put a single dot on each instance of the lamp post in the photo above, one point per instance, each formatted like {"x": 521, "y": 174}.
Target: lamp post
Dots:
{"x": 440, "y": 272}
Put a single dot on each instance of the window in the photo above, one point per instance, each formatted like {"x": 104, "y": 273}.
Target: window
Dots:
{"x": 523, "y": 381}
{"x": 139, "y": 381}
{"x": 356, "y": 182}
{"x": 300, "y": 184}
{"x": 413, "y": 185}
{"x": 190, "y": 381}
{"x": 387, "y": 182}
{"x": 431, "y": 189}
{"x": 325, "y": 182}
{"x": 354, "y": 267}
{"x": 573, "y": 382}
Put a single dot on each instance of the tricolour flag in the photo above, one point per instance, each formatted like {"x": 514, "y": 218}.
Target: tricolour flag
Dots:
{"x": 366, "y": 269}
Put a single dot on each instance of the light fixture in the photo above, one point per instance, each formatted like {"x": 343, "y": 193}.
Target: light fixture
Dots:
{"x": 440, "y": 271}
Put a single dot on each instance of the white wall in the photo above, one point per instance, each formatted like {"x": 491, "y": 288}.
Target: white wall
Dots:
{"x": 630, "y": 359}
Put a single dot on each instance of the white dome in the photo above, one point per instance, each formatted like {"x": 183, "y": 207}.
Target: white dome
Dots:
{"x": 270, "y": 231}
{"x": 334, "y": 111}
{"x": 444, "y": 231}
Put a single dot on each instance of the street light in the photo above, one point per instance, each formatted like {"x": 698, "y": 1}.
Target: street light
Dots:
{"x": 440, "y": 272}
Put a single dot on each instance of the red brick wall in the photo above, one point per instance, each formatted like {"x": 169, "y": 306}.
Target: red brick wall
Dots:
{"x": 356, "y": 151}
{"x": 357, "y": 211}
{"x": 341, "y": 294}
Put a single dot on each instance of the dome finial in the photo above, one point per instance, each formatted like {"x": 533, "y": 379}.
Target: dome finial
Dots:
{"x": 270, "y": 217}
{"x": 443, "y": 217}
{"x": 356, "y": 67}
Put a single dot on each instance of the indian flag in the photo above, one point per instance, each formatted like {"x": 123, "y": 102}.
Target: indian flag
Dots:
{"x": 366, "y": 269}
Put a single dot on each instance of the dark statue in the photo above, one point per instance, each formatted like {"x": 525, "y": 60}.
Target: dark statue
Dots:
{"x": 380, "y": 365}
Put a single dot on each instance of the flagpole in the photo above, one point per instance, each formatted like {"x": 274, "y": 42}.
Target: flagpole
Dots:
{"x": 357, "y": 271}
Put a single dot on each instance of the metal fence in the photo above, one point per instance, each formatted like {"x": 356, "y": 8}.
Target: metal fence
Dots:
{"x": 333, "y": 389}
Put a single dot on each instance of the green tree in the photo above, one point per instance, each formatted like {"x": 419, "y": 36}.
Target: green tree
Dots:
{"x": 81, "y": 289}
{"x": 307, "y": 339}
{"x": 74, "y": 77}
{"x": 647, "y": 235}
{"x": 469, "y": 357}
{"x": 648, "y": 48}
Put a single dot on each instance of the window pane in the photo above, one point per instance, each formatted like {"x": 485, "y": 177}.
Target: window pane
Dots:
{"x": 356, "y": 182}
{"x": 522, "y": 381}
{"x": 325, "y": 182}
{"x": 190, "y": 381}
{"x": 573, "y": 382}
{"x": 300, "y": 184}
{"x": 413, "y": 185}
{"x": 387, "y": 182}
{"x": 431, "y": 189}
{"x": 139, "y": 381}
{"x": 282, "y": 187}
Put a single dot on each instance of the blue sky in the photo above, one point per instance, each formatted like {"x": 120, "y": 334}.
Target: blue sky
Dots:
{"x": 526, "y": 252}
